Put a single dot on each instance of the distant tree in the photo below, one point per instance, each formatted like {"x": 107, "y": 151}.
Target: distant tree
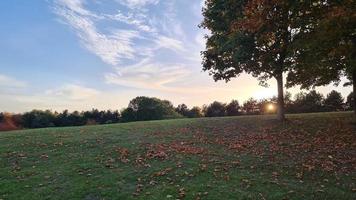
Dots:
{"x": 112, "y": 117}
{"x": 250, "y": 106}
{"x": 71, "y": 119}
{"x": 61, "y": 118}
{"x": 314, "y": 98}
{"x": 295, "y": 106}
{"x": 233, "y": 108}
{"x": 216, "y": 109}
{"x": 334, "y": 101}
{"x": 350, "y": 102}
{"x": 252, "y": 36}
{"x": 204, "y": 109}
{"x": 75, "y": 119}
{"x": 42, "y": 119}
{"x": 101, "y": 117}
{"x": 38, "y": 119}
{"x": 308, "y": 102}
{"x": 146, "y": 108}
{"x": 195, "y": 112}
{"x": 10, "y": 121}
{"x": 17, "y": 121}
{"x": 93, "y": 115}
{"x": 182, "y": 109}
{"x": 128, "y": 115}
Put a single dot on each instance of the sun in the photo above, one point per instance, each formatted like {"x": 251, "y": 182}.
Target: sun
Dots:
{"x": 270, "y": 107}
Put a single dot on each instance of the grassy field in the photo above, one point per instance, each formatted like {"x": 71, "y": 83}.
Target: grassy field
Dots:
{"x": 311, "y": 156}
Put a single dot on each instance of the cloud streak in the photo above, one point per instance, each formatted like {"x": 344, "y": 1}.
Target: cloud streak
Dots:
{"x": 137, "y": 20}
{"x": 137, "y": 4}
{"x": 10, "y": 82}
{"x": 73, "y": 92}
{"x": 147, "y": 75}
{"x": 148, "y": 50}
{"x": 111, "y": 48}
{"x": 169, "y": 43}
{"x": 120, "y": 43}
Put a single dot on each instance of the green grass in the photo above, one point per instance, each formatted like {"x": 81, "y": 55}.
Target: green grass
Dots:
{"x": 311, "y": 156}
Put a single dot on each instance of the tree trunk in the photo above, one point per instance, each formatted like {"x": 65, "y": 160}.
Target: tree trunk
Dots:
{"x": 353, "y": 75}
{"x": 354, "y": 89}
{"x": 280, "y": 103}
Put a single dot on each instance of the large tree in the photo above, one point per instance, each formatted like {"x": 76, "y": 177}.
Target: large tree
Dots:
{"x": 325, "y": 47}
{"x": 252, "y": 36}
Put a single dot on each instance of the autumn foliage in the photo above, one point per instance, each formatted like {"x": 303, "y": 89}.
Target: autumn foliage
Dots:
{"x": 9, "y": 122}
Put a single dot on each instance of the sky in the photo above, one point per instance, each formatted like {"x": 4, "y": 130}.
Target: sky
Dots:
{"x": 84, "y": 54}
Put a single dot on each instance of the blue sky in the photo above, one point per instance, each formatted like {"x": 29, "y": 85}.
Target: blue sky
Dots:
{"x": 80, "y": 54}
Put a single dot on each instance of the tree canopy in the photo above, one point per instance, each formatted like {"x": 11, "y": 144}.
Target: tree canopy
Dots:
{"x": 326, "y": 44}
{"x": 233, "y": 108}
{"x": 309, "y": 102}
{"x": 148, "y": 108}
{"x": 216, "y": 109}
{"x": 334, "y": 101}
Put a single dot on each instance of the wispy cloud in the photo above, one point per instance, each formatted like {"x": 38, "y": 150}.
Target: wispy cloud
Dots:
{"x": 137, "y": 20}
{"x": 111, "y": 48}
{"x": 76, "y": 6}
{"x": 139, "y": 38}
{"x": 120, "y": 43}
{"x": 73, "y": 92}
{"x": 169, "y": 43}
{"x": 10, "y": 82}
{"x": 136, "y": 4}
{"x": 147, "y": 75}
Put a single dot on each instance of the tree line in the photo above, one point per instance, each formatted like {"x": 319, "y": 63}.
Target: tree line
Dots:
{"x": 47, "y": 118}
{"x": 151, "y": 108}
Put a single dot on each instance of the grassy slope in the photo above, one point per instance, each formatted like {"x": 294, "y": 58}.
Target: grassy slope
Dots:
{"x": 309, "y": 157}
